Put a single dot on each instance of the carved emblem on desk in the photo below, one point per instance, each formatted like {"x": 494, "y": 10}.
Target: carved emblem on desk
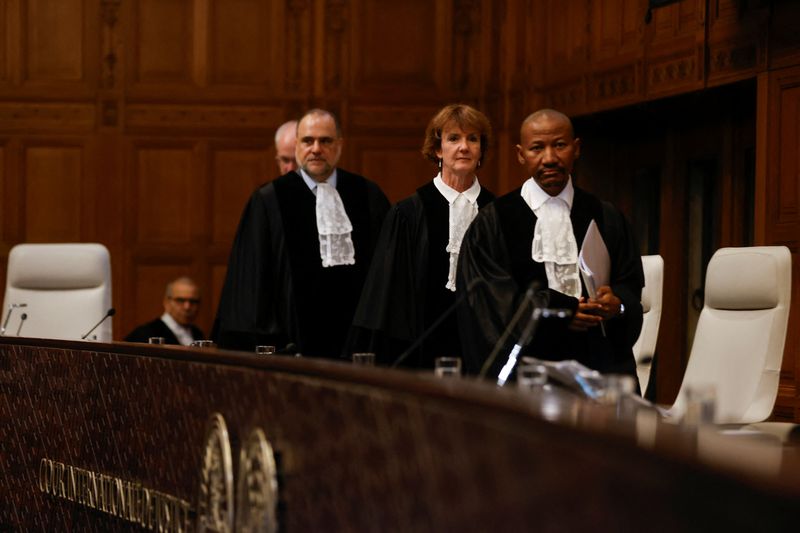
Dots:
{"x": 215, "y": 496}
{"x": 257, "y": 491}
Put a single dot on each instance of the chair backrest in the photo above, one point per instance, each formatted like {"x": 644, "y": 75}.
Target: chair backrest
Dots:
{"x": 66, "y": 289}
{"x": 740, "y": 335}
{"x": 652, "y": 295}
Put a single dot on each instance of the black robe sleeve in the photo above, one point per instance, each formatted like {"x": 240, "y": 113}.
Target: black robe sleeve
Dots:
{"x": 493, "y": 295}
{"x": 388, "y": 315}
{"x": 247, "y": 313}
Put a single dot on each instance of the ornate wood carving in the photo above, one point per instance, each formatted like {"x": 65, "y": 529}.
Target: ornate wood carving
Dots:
{"x": 336, "y": 23}
{"x": 298, "y": 37}
{"x": 392, "y": 117}
{"x": 673, "y": 74}
{"x": 207, "y": 117}
{"x": 619, "y": 85}
{"x": 16, "y": 116}
{"x": 109, "y": 16}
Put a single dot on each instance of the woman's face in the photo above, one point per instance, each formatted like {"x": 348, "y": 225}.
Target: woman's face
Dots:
{"x": 460, "y": 151}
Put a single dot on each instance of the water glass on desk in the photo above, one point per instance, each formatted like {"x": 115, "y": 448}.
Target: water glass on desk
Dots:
{"x": 265, "y": 350}
{"x": 364, "y": 358}
{"x": 531, "y": 376}
{"x": 701, "y": 404}
{"x": 155, "y": 340}
{"x": 447, "y": 367}
{"x": 203, "y": 344}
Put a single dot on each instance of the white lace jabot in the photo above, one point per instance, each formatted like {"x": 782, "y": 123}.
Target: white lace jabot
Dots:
{"x": 333, "y": 225}
{"x": 463, "y": 209}
{"x": 553, "y": 239}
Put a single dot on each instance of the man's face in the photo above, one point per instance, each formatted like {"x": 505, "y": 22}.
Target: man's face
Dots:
{"x": 284, "y": 152}
{"x": 548, "y": 152}
{"x": 183, "y": 303}
{"x": 318, "y": 147}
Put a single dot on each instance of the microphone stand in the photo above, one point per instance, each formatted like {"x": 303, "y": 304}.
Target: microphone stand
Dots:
{"x": 529, "y": 294}
{"x": 11, "y": 308}
{"x": 109, "y": 313}
{"x": 22, "y": 320}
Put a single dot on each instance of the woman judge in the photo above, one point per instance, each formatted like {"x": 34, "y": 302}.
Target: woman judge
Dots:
{"x": 412, "y": 279}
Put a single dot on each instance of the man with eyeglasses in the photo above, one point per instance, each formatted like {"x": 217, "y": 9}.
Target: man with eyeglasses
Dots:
{"x": 176, "y": 325}
{"x": 302, "y": 251}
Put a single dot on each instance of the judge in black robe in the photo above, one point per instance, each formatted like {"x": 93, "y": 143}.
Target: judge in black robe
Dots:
{"x": 276, "y": 291}
{"x": 158, "y": 328}
{"x": 496, "y": 258}
{"x": 406, "y": 290}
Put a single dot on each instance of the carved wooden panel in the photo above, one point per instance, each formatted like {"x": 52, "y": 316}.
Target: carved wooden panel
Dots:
{"x": 6, "y": 29}
{"x": 737, "y": 40}
{"x": 778, "y": 205}
{"x": 53, "y": 193}
{"x": 675, "y": 74}
{"x": 784, "y": 39}
{"x": 413, "y": 53}
{"x": 682, "y": 19}
{"x": 240, "y": 35}
{"x": 398, "y": 167}
{"x": 149, "y": 117}
{"x": 235, "y": 174}
{"x": 617, "y": 30}
{"x": 296, "y": 62}
{"x": 54, "y": 37}
{"x": 167, "y": 194}
{"x": 162, "y": 44}
{"x": 566, "y": 40}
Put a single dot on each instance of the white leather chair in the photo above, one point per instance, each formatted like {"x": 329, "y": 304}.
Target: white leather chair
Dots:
{"x": 652, "y": 295}
{"x": 738, "y": 344}
{"x": 66, "y": 289}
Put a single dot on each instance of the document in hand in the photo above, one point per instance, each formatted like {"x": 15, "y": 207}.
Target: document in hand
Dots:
{"x": 594, "y": 261}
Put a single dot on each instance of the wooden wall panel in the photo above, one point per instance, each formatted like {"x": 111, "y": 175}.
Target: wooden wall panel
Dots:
{"x": 239, "y": 43}
{"x": 169, "y": 206}
{"x": 392, "y": 28}
{"x": 53, "y": 183}
{"x": 163, "y": 42}
{"x": 616, "y": 29}
{"x": 5, "y": 32}
{"x": 54, "y": 35}
{"x": 778, "y": 206}
{"x": 399, "y": 166}
{"x": 567, "y": 40}
{"x": 235, "y": 174}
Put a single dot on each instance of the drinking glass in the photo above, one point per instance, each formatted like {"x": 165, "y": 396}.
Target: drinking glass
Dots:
{"x": 701, "y": 404}
{"x": 203, "y": 344}
{"x": 531, "y": 376}
{"x": 364, "y": 358}
{"x": 447, "y": 367}
{"x": 265, "y": 350}
{"x": 155, "y": 340}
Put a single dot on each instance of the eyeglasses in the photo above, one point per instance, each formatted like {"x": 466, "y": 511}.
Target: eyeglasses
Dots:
{"x": 183, "y": 301}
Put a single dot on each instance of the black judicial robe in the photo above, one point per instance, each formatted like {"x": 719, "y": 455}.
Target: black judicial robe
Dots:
{"x": 276, "y": 291}
{"x": 157, "y": 328}
{"x": 497, "y": 251}
{"x": 405, "y": 290}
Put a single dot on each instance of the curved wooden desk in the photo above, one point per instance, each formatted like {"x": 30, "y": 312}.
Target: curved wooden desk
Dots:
{"x": 358, "y": 449}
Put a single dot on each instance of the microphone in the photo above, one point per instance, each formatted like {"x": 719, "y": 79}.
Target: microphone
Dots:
{"x": 11, "y": 308}
{"x": 425, "y": 334}
{"x": 529, "y": 295}
{"x": 22, "y": 320}
{"x": 110, "y": 312}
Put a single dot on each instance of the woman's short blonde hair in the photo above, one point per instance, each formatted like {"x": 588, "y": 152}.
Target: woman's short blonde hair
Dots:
{"x": 464, "y": 116}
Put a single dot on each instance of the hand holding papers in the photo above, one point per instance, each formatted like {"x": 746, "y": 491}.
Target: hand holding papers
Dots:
{"x": 594, "y": 262}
